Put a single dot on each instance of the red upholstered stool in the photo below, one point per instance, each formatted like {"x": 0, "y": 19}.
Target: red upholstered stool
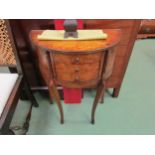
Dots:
{"x": 71, "y": 95}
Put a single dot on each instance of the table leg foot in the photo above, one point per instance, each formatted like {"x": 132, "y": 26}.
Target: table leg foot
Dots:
{"x": 92, "y": 121}
{"x": 116, "y": 91}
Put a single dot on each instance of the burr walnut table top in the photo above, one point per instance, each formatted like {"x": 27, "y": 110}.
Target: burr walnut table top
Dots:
{"x": 114, "y": 36}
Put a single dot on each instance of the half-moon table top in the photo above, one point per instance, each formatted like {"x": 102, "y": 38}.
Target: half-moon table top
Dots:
{"x": 77, "y": 46}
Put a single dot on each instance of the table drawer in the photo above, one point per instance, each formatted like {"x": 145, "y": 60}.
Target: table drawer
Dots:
{"x": 76, "y": 59}
{"x": 86, "y": 72}
{"x": 77, "y": 68}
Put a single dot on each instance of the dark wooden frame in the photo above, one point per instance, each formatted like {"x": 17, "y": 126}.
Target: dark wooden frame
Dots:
{"x": 9, "y": 109}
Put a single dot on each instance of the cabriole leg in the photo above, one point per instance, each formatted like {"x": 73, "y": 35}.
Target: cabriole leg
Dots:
{"x": 54, "y": 94}
{"x": 96, "y": 100}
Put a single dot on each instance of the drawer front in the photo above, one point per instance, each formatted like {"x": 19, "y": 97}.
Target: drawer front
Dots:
{"x": 76, "y": 59}
{"x": 74, "y": 68}
{"x": 125, "y": 25}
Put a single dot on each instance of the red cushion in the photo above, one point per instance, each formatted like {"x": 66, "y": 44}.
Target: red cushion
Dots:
{"x": 71, "y": 95}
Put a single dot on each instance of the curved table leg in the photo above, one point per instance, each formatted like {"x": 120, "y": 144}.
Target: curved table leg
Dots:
{"x": 102, "y": 97}
{"x": 54, "y": 94}
{"x": 99, "y": 92}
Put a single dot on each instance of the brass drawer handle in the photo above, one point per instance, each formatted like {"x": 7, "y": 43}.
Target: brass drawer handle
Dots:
{"x": 76, "y": 60}
{"x": 77, "y": 69}
{"x": 77, "y": 78}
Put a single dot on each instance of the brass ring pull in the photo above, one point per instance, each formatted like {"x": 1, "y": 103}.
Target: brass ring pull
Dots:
{"x": 77, "y": 69}
{"x": 76, "y": 60}
{"x": 77, "y": 78}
